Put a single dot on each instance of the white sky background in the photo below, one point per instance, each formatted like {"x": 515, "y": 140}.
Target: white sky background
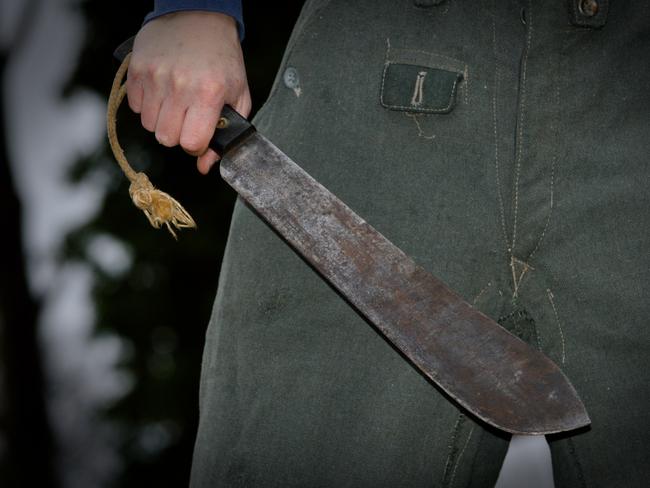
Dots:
{"x": 47, "y": 134}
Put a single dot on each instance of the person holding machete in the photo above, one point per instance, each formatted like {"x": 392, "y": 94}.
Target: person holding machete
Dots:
{"x": 503, "y": 146}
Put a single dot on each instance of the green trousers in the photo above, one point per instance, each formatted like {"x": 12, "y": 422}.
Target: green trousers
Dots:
{"x": 504, "y": 145}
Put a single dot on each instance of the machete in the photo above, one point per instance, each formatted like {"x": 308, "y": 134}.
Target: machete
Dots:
{"x": 490, "y": 372}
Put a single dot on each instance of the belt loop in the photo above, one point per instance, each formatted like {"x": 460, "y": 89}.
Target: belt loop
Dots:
{"x": 588, "y": 13}
{"x": 427, "y": 3}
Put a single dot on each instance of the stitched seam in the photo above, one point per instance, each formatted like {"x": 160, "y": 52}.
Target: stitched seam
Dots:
{"x": 466, "y": 78}
{"x": 433, "y": 60}
{"x": 550, "y": 296}
{"x": 522, "y": 111}
{"x": 550, "y": 211}
{"x": 496, "y": 134}
{"x": 481, "y": 293}
{"x": 516, "y": 282}
{"x": 460, "y": 455}
{"x": 553, "y": 164}
{"x": 383, "y": 81}
{"x": 452, "y": 442}
{"x": 428, "y": 54}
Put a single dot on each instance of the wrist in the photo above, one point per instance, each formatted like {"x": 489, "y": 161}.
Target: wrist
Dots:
{"x": 228, "y": 8}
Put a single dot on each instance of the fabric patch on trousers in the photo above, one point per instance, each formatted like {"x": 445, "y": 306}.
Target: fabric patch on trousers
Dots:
{"x": 420, "y": 82}
{"x": 418, "y": 89}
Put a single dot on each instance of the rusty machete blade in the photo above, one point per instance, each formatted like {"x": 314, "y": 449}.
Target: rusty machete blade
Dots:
{"x": 487, "y": 370}
{"x": 493, "y": 374}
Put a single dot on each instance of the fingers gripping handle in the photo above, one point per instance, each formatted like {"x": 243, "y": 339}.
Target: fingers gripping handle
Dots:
{"x": 232, "y": 128}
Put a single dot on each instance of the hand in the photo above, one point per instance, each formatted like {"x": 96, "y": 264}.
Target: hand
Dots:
{"x": 185, "y": 66}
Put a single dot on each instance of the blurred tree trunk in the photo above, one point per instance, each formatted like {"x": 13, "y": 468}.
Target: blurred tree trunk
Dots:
{"x": 28, "y": 458}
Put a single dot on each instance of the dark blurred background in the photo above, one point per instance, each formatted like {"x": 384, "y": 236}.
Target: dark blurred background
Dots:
{"x": 102, "y": 317}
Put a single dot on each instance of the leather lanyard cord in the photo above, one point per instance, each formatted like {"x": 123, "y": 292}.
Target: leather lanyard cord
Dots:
{"x": 158, "y": 206}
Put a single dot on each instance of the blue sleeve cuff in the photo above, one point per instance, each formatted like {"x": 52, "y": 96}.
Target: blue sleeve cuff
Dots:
{"x": 228, "y": 7}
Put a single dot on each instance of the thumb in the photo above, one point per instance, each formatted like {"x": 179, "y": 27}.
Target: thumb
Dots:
{"x": 206, "y": 161}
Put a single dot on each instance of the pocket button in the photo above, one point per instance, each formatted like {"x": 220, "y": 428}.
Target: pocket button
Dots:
{"x": 588, "y": 8}
{"x": 291, "y": 78}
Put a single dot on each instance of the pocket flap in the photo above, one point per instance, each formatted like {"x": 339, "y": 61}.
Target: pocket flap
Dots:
{"x": 418, "y": 89}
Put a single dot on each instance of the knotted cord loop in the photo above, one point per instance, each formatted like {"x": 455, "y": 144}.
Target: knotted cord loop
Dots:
{"x": 158, "y": 206}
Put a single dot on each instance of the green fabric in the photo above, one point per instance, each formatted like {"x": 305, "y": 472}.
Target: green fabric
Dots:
{"x": 418, "y": 89}
{"x": 530, "y": 197}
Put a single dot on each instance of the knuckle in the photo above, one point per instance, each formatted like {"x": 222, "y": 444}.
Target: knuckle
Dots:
{"x": 209, "y": 89}
{"x": 179, "y": 81}
{"x": 136, "y": 68}
{"x": 191, "y": 142}
{"x": 156, "y": 73}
